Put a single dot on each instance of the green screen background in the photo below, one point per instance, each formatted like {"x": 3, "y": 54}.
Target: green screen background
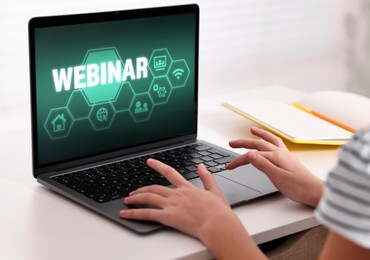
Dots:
{"x": 66, "y": 46}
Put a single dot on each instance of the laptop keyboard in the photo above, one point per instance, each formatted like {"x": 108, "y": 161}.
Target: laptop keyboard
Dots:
{"x": 116, "y": 180}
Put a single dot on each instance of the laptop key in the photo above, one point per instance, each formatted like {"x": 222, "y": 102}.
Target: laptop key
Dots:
{"x": 216, "y": 156}
{"x": 224, "y": 160}
{"x": 211, "y": 163}
{"x": 116, "y": 196}
{"x": 117, "y": 180}
{"x": 183, "y": 171}
{"x": 195, "y": 155}
{"x": 202, "y": 147}
{"x": 197, "y": 161}
{"x": 192, "y": 168}
{"x": 214, "y": 169}
{"x": 190, "y": 175}
{"x": 204, "y": 153}
{"x": 206, "y": 158}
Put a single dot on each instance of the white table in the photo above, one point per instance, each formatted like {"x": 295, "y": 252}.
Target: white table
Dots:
{"x": 36, "y": 223}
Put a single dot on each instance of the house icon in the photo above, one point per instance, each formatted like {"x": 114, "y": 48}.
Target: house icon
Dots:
{"x": 59, "y": 123}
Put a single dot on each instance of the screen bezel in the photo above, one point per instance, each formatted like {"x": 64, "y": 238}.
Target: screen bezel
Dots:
{"x": 50, "y": 21}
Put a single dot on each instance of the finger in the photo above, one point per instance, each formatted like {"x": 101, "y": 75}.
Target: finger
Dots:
{"x": 168, "y": 172}
{"x": 250, "y": 156}
{"x": 206, "y": 177}
{"x": 257, "y": 144}
{"x": 209, "y": 182}
{"x": 272, "y": 171}
{"x": 157, "y": 189}
{"x": 272, "y": 157}
{"x": 267, "y": 136}
{"x": 142, "y": 214}
{"x": 151, "y": 199}
{"x": 239, "y": 161}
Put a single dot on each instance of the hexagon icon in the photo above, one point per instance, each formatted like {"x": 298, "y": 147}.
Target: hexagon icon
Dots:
{"x": 78, "y": 106}
{"x": 104, "y": 69}
{"x": 124, "y": 98}
{"x": 101, "y": 116}
{"x": 160, "y": 62}
{"x": 142, "y": 85}
{"x": 160, "y": 90}
{"x": 178, "y": 73}
{"x": 58, "y": 123}
{"x": 141, "y": 107}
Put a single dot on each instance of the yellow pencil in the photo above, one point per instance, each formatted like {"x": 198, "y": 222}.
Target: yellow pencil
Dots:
{"x": 324, "y": 117}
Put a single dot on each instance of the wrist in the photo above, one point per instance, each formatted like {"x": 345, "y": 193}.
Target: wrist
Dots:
{"x": 226, "y": 238}
{"x": 315, "y": 193}
{"x": 210, "y": 231}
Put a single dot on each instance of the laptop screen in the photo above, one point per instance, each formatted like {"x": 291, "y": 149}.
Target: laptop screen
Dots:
{"x": 111, "y": 81}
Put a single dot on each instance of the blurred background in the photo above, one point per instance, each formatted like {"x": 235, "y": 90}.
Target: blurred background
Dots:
{"x": 302, "y": 44}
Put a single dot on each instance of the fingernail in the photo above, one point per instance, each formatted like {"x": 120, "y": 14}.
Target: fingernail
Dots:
{"x": 252, "y": 156}
{"x": 203, "y": 166}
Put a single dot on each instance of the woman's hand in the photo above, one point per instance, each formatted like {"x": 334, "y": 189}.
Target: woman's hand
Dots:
{"x": 204, "y": 214}
{"x": 184, "y": 207}
{"x": 271, "y": 156}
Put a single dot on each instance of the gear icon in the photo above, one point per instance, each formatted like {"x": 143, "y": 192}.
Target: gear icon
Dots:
{"x": 162, "y": 92}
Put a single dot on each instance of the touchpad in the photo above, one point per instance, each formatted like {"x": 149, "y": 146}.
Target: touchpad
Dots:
{"x": 234, "y": 192}
{"x": 251, "y": 177}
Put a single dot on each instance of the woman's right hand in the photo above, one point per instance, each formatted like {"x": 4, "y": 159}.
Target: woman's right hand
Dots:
{"x": 286, "y": 172}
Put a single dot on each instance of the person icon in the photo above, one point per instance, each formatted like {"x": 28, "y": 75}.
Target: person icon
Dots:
{"x": 145, "y": 108}
{"x": 138, "y": 108}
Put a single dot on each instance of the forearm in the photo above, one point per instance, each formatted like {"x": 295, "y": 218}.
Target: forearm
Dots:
{"x": 338, "y": 247}
{"x": 229, "y": 239}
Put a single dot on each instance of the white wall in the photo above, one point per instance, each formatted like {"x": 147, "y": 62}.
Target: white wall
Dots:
{"x": 357, "y": 27}
{"x": 243, "y": 43}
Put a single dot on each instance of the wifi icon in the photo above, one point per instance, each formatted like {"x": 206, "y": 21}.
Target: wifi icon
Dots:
{"x": 178, "y": 73}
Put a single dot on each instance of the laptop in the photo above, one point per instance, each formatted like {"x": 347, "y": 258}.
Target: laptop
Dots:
{"x": 110, "y": 90}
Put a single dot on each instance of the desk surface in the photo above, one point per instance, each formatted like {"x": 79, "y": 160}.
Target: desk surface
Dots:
{"x": 37, "y": 223}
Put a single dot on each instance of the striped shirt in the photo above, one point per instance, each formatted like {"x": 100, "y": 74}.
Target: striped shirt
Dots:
{"x": 345, "y": 205}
